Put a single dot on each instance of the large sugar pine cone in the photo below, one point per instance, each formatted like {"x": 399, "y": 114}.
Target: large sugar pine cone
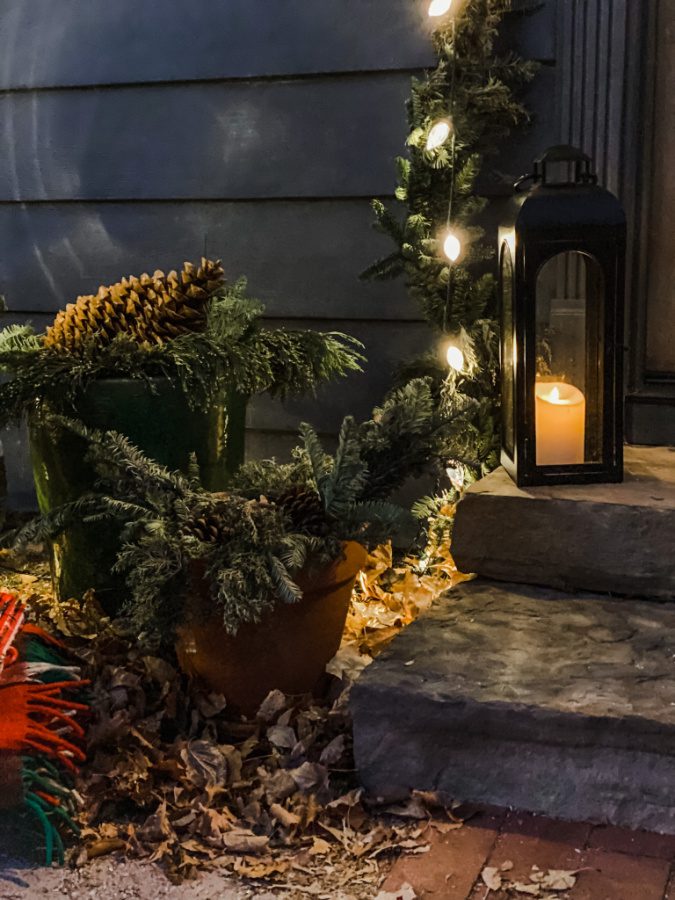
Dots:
{"x": 149, "y": 310}
{"x": 305, "y": 510}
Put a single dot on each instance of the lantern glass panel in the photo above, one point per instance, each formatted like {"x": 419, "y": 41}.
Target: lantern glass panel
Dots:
{"x": 508, "y": 350}
{"x": 569, "y": 364}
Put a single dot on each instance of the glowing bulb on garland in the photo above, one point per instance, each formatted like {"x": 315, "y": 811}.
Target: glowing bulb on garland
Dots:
{"x": 452, "y": 246}
{"x": 455, "y": 358}
{"x": 439, "y": 8}
{"x": 439, "y": 134}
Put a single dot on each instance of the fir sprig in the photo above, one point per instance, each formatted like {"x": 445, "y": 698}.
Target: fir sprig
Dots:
{"x": 234, "y": 351}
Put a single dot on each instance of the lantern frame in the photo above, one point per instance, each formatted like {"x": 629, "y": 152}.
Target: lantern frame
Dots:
{"x": 555, "y": 218}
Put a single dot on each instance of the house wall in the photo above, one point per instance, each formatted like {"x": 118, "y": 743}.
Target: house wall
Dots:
{"x": 134, "y": 135}
{"x": 615, "y": 67}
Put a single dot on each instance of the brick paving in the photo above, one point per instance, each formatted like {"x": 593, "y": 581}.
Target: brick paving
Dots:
{"x": 612, "y": 863}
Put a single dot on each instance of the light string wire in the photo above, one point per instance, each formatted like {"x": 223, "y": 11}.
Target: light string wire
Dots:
{"x": 453, "y": 160}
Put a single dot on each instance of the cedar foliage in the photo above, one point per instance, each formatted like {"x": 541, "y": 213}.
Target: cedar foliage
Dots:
{"x": 230, "y": 350}
{"x": 274, "y": 520}
{"x": 476, "y": 85}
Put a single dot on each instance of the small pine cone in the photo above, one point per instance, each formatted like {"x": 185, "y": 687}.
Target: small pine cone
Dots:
{"x": 209, "y": 529}
{"x": 304, "y": 510}
{"x": 148, "y": 310}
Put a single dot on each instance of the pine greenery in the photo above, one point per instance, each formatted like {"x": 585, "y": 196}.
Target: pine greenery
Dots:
{"x": 232, "y": 351}
{"x": 476, "y": 86}
{"x": 259, "y": 550}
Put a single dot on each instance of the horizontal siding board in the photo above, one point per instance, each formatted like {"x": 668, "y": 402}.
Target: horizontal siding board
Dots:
{"x": 78, "y": 42}
{"x": 532, "y": 34}
{"x": 317, "y": 138}
{"x": 302, "y": 258}
{"x": 387, "y": 344}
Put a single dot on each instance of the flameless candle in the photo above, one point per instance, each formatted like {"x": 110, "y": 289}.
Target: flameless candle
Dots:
{"x": 560, "y": 424}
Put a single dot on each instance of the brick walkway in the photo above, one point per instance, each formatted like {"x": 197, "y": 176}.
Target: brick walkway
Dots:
{"x": 617, "y": 864}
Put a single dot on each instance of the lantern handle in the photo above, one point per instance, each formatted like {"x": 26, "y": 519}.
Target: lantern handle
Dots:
{"x": 518, "y": 185}
{"x": 561, "y": 153}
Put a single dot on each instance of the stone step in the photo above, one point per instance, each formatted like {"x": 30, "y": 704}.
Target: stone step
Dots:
{"x": 529, "y": 698}
{"x": 618, "y": 538}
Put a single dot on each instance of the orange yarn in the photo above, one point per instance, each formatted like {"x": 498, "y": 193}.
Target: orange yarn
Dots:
{"x": 34, "y": 719}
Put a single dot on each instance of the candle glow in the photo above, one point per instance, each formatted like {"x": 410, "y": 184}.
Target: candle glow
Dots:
{"x": 560, "y": 424}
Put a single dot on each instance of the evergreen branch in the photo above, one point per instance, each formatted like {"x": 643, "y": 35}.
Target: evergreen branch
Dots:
{"x": 232, "y": 353}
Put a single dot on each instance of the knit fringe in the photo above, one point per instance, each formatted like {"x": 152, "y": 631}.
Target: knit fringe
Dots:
{"x": 41, "y": 713}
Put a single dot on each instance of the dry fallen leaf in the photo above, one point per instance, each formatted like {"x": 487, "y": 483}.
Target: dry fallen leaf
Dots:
{"x": 405, "y": 892}
{"x": 272, "y": 706}
{"x": 559, "y": 880}
{"x": 491, "y": 878}
{"x": 240, "y": 840}
{"x": 334, "y": 751}
{"x": 348, "y": 663}
{"x": 287, "y": 818}
{"x": 319, "y": 847}
{"x": 104, "y": 846}
{"x": 282, "y": 736}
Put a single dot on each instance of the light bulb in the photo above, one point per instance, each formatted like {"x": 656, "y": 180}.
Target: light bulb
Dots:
{"x": 456, "y": 476}
{"x": 455, "y": 358}
{"x": 439, "y": 8}
{"x": 452, "y": 246}
{"x": 439, "y": 134}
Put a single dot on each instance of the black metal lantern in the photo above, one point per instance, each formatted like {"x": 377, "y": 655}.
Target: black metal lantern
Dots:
{"x": 561, "y": 263}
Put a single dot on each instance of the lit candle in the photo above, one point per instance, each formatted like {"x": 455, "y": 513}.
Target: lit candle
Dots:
{"x": 560, "y": 424}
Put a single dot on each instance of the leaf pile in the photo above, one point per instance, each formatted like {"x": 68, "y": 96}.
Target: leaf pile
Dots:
{"x": 172, "y": 778}
{"x": 390, "y": 595}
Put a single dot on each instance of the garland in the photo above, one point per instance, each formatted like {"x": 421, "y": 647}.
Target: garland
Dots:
{"x": 459, "y": 115}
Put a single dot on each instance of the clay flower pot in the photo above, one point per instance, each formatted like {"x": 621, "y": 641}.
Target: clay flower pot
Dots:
{"x": 287, "y": 650}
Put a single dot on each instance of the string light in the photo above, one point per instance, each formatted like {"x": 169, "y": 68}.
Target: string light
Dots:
{"x": 439, "y": 133}
{"x": 456, "y": 476}
{"x": 452, "y": 246}
{"x": 439, "y": 8}
{"x": 455, "y": 358}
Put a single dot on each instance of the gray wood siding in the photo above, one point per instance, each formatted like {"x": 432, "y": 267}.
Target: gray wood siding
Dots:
{"x": 325, "y": 137}
{"x": 44, "y": 43}
{"x": 612, "y": 85}
{"x": 302, "y": 257}
{"x": 135, "y": 135}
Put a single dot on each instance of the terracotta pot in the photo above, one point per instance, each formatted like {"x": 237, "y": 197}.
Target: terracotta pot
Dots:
{"x": 287, "y": 650}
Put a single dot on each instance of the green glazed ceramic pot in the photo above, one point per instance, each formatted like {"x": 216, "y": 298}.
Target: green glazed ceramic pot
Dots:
{"x": 155, "y": 416}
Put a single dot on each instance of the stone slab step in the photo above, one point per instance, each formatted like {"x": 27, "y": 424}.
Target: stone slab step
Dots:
{"x": 525, "y": 697}
{"x": 618, "y": 538}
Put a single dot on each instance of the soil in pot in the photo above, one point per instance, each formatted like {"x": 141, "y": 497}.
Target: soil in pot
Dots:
{"x": 156, "y": 417}
{"x": 287, "y": 650}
